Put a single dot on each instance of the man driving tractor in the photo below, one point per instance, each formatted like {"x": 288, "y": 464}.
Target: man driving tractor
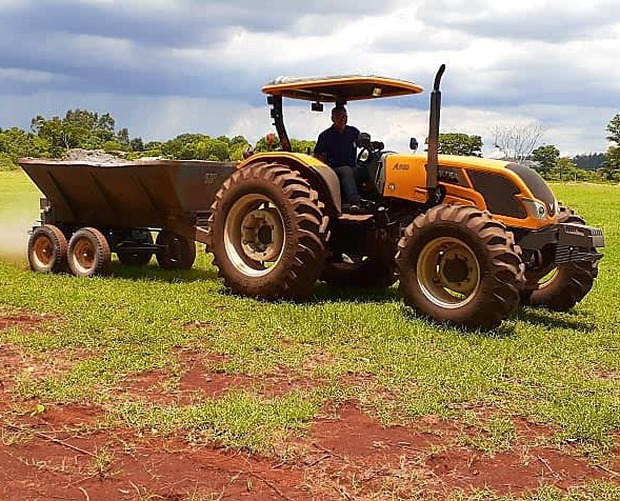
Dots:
{"x": 337, "y": 147}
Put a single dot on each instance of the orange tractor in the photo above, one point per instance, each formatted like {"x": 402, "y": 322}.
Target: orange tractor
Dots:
{"x": 468, "y": 238}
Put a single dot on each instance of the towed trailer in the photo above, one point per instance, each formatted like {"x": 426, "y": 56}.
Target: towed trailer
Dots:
{"x": 93, "y": 209}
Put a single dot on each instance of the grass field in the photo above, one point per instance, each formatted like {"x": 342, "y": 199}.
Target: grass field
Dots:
{"x": 126, "y": 346}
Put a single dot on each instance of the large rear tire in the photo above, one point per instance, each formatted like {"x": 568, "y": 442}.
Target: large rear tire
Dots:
{"x": 268, "y": 232}
{"x": 459, "y": 265}
{"x": 177, "y": 253}
{"x": 560, "y": 287}
{"x": 89, "y": 253}
{"x": 47, "y": 249}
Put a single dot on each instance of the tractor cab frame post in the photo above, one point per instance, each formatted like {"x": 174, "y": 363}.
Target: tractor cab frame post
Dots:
{"x": 433, "y": 134}
{"x": 278, "y": 121}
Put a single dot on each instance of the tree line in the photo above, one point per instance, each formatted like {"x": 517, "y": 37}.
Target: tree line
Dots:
{"x": 52, "y": 138}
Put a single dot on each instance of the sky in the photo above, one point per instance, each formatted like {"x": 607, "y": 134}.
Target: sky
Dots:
{"x": 166, "y": 67}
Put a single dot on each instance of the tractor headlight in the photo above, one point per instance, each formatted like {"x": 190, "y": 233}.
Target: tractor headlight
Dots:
{"x": 535, "y": 208}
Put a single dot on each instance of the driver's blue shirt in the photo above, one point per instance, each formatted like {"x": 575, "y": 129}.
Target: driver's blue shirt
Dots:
{"x": 339, "y": 148}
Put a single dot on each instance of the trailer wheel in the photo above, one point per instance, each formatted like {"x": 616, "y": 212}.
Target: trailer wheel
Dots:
{"x": 268, "y": 232}
{"x": 89, "y": 253}
{"x": 137, "y": 258}
{"x": 458, "y": 265}
{"x": 47, "y": 249}
{"x": 373, "y": 272}
{"x": 178, "y": 252}
{"x": 560, "y": 287}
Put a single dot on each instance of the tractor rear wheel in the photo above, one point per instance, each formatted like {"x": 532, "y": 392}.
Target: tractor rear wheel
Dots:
{"x": 459, "y": 265}
{"x": 89, "y": 253}
{"x": 47, "y": 249}
{"x": 268, "y": 232}
{"x": 560, "y": 287}
{"x": 372, "y": 272}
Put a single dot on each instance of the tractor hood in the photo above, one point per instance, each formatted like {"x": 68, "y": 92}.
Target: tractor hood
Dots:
{"x": 499, "y": 181}
{"x": 509, "y": 190}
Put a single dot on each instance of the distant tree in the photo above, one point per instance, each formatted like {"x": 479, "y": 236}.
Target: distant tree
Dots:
{"x": 197, "y": 147}
{"x": 517, "y": 141}
{"x": 153, "y": 145}
{"x": 89, "y": 129}
{"x": 238, "y": 145}
{"x": 182, "y": 146}
{"x": 238, "y": 140}
{"x": 269, "y": 142}
{"x": 123, "y": 139}
{"x": 302, "y": 145}
{"x": 591, "y": 161}
{"x": 610, "y": 169}
{"x": 16, "y": 143}
{"x": 78, "y": 129}
{"x": 564, "y": 169}
{"x": 212, "y": 149}
{"x": 613, "y": 127}
{"x": 458, "y": 143}
{"x": 546, "y": 157}
{"x": 136, "y": 144}
{"x": 54, "y": 133}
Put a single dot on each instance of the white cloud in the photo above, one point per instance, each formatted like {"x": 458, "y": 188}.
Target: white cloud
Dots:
{"x": 165, "y": 67}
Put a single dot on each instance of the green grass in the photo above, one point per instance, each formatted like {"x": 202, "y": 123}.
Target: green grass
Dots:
{"x": 557, "y": 368}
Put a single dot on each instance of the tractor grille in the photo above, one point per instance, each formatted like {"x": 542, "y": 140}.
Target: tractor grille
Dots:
{"x": 567, "y": 254}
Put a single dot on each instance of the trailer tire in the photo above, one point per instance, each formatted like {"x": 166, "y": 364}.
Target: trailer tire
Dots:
{"x": 89, "y": 253}
{"x": 373, "y": 272}
{"x": 177, "y": 253}
{"x": 268, "y": 232}
{"x": 137, "y": 258}
{"x": 47, "y": 249}
{"x": 458, "y": 265}
{"x": 560, "y": 287}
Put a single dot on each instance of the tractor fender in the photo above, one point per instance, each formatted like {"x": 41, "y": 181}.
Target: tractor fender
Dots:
{"x": 321, "y": 177}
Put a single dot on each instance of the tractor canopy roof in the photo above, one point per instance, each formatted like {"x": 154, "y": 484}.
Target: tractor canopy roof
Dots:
{"x": 340, "y": 88}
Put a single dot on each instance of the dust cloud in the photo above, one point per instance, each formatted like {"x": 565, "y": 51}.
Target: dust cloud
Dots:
{"x": 14, "y": 240}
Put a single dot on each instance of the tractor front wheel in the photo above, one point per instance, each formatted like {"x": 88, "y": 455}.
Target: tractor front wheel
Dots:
{"x": 459, "y": 265}
{"x": 560, "y": 287}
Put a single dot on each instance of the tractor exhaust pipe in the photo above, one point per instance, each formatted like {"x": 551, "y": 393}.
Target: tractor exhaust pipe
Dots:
{"x": 433, "y": 132}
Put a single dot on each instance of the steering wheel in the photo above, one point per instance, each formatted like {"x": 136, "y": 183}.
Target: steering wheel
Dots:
{"x": 368, "y": 152}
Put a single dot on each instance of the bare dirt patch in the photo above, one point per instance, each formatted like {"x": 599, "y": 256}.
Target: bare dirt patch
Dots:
{"x": 124, "y": 466}
{"x": 354, "y": 456}
{"x": 23, "y": 320}
{"x": 198, "y": 380}
{"x": 63, "y": 453}
{"x": 275, "y": 383}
